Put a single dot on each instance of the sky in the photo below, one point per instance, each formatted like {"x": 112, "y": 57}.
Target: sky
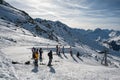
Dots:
{"x": 84, "y": 14}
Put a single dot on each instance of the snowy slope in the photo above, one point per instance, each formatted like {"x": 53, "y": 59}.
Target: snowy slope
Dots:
{"x": 20, "y": 33}
{"x": 12, "y": 34}
{"x": 12, "y": 14}
{"x": 19, "y": 18}
{"x": 7, "y": 71}
{"x": 64, "y": 68}
{"x": 7, "y": 12}
{"x": 16, "y": 44}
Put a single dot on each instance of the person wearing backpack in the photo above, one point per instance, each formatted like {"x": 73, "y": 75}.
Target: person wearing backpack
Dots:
{"x": 36, "y": 56}
{"x": 50, "y": 55}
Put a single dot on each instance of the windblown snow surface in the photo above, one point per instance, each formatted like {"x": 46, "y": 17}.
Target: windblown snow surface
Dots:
{"x": 16, "y": 44}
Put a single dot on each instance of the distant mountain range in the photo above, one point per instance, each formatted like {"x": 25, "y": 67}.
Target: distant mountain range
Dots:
{"x": 55, "y": 30}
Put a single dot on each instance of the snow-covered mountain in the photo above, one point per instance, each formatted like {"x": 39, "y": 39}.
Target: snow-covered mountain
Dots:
{"x": 103, "y": 36}
{"x": 55, "y": 30}
{"x": 9, "y": 13}
{"x": 16, "y": 44}
{"x": 19, "y": 18}
{"x": 19, "y": 33}
{"x": 73, "y": 36}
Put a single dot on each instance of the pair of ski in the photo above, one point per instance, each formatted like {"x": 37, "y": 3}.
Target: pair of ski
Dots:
{"x": 28, "y": 63}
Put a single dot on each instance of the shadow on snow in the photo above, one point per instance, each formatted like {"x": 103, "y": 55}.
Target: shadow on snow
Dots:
{"x": 52, "y": 70}
{"x": 35, "y": 69}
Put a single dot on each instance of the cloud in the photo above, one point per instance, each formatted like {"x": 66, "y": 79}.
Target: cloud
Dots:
{"x": 75, "y": 13}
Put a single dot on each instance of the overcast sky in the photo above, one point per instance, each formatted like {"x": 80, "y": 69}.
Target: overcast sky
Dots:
{"x": 85, "y": 14}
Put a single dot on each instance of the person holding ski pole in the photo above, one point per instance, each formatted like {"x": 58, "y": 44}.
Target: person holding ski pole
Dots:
{"x": 40, "y": 54}
{"x": 50, "y": 55}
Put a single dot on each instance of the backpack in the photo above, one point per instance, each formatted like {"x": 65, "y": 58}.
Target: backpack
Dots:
{"x": 35, "y": 55}
{"x": 49, "y": 54}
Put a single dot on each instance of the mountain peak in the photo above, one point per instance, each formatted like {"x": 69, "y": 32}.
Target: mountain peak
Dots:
{"x": 97, "y": 30}
{"x": 2, "y": 2}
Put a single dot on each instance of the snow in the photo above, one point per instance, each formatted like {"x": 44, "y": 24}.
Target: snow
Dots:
{"x": 64, "y": 67}
{"x": 16, "y": 42}
{"x": 7, "y": 71}
{"x": 12, "y": 14}
{"x": 16, "y": 46}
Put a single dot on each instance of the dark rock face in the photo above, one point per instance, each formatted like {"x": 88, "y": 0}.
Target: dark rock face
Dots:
{"x": 114, "y": 46}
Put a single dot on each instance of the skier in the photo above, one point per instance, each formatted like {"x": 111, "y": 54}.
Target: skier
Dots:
{"x": 63, "y": 50}
{"x": 71, "y": 51}
{"x": 33, "y": 52}
{"x": 57, "y": 49}
{"x": 36, "y": 56}
{"x": 40, "y": 52}
{"x": 78, "y": 54}
{"x": 50, "y": 55}
{"x": 96, "y": 58}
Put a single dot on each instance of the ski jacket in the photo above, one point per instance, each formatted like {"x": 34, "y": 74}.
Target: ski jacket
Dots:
{"x": 40, "y": 51}
{"x": 36, "y": 56}
{"x": 78, "y": 54}
{"x": 50, "y": 55}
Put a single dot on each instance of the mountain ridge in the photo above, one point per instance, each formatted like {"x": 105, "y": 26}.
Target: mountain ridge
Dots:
{"x": 55, "y": 29}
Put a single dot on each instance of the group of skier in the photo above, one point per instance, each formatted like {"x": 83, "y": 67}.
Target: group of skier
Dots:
{"x": 58, "y": 51}
{"x": 37, "y": 54}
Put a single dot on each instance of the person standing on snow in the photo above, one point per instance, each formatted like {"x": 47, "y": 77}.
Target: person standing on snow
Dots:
{"x": 33, "y": 52}
{"x": 71, "y": 53}
{"x": 78, "y": 54}
{"x": 50, "y": 55}
{"x": 57, "y": 49}
{"x": 40, "y": 54}
{"x": 36, "y": 56}
{"x": 63, "y": 50}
